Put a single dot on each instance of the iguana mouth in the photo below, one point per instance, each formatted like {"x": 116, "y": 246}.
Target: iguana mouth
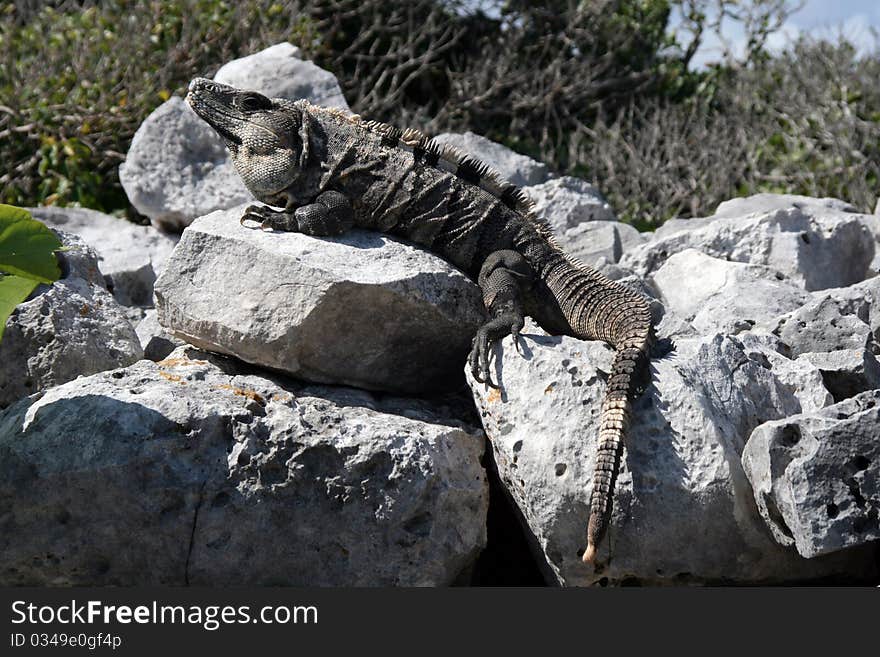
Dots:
{"x": 197, "y": 103}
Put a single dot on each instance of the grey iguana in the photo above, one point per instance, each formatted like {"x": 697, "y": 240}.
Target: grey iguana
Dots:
{"x": 331, "y": 171}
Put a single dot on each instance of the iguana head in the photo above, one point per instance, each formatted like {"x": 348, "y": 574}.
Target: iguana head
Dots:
{"x": 267, "y": 137}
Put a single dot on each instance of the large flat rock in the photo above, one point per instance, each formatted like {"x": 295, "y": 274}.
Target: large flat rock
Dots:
{"x": 181, "y": 473}
{"x": 713, "y": 294}
{"x": 362, "y": 309}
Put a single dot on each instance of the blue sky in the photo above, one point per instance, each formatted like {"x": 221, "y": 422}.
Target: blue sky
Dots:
{"x": 824, "y": 12}
{"x": 821, "y": 18}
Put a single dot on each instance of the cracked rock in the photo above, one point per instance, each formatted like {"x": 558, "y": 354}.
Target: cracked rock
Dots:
{"x": 362, "y": 309}
{"x": 566, "y": 202}
{"x": 70, "y": 328}
{"x": 178, "y": 472}
{"x": 814, "y": 245}
{"x": 816, "y": 476}
{"x": 802, "y": 378}
{"x": 157, "y": 343}
{"x": 718, "y": 295}
{"x": 683, "y": 509}
{"x": 846, "y": 372}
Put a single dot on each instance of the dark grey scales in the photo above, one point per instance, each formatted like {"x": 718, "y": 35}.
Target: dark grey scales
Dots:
{"x": 331, "y": 171}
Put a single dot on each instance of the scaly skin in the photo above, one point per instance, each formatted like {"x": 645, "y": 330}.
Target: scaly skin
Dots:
{"x": 330, "y": 171}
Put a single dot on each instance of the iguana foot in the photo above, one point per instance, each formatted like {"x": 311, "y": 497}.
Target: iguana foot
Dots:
{"x": 505, "y": 323}
{"x": 331, "y": 214}
{"x": 479, "y": 358}
{"x": 502, "y": 279}
{"x": 265, "y": 217}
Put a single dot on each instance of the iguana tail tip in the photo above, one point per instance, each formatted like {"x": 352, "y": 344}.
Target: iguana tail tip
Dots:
{"x": 589, "y": 553}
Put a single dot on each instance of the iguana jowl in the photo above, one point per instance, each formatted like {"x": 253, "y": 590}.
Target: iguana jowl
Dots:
{"x": 331, "y": 171}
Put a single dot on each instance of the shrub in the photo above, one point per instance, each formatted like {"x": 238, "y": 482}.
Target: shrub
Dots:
{"x": 78, "y": 78}
{"x": 596, "y": 88}
{"x": 802, "y": 122}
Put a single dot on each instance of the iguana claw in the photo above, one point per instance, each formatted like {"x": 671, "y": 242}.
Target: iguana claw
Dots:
{"x": 257, "y": 214}
{"x": 479, "y": 359}
{"x": 514, "y": 334}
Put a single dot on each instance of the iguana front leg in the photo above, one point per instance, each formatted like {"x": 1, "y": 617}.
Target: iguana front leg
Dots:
{"x": 330, "y": 214}
{"x": 503, "y": 278}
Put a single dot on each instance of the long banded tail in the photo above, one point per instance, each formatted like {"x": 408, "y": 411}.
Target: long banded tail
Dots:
{"x": 599, "y": 308}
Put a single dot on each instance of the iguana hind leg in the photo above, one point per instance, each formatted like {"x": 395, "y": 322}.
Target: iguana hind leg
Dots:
{"x": 330, "y": 214}
{"x": 502, "y": 279}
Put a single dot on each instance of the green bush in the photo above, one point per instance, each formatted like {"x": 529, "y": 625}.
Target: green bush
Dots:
{"x": 596, "y": 88}
{"x": 805, "y": 121}
{"x": 77, "y": 81}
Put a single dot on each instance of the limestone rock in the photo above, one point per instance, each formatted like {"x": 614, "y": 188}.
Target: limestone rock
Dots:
{"x": 177, "y": 167}
{"x": 814, "y": 246}
{"x": 279, "y": 72}
{"x": 684, "y": 510}
{"x": 362, "y": 309}
{"x": 717, "y": 295}
{"x": 592, "y": 241}
{"x": 70, "y": 328}
{"x": 762, "y": 203}
{"x": 825, "y": 323}
{"x": 518, "y": 169}
{"x": 846, "y": 372}
{"x": 630, "y": 237}
{"x": 816, "y": 476}
{"x": 156, "y": 342}
{"x": 861, "y": 300}
{"x": 177, "y": 473}
{"x": 130, "y": 256}
{"x": 769, "y": 202}
{"x": 566, "y": 202}
{"x": 800, "y": 377}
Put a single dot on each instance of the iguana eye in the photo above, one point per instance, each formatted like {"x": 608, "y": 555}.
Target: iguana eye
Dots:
{"x": 254, "y": 102}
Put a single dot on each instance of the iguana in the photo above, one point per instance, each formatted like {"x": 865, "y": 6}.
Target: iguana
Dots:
{"x": 330, "y": 171}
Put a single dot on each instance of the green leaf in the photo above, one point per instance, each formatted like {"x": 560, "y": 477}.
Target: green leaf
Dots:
{"x": 27, "y": 246}
{"x": 13, "y": 290}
